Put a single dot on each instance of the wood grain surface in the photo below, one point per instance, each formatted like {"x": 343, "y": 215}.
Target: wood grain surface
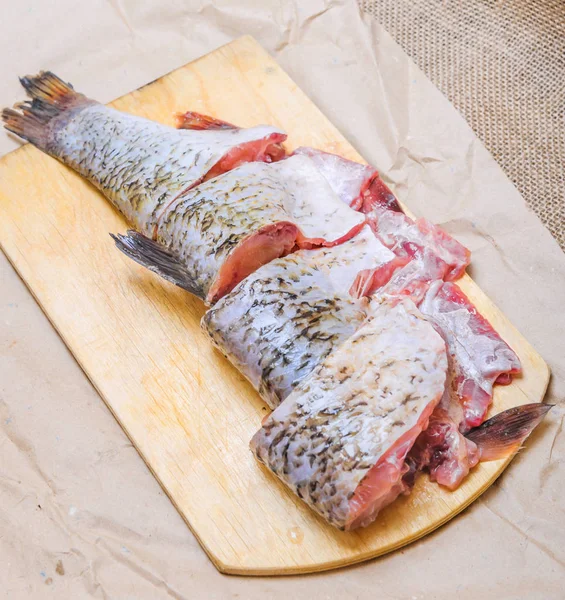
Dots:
{"x": 187, "y": 411}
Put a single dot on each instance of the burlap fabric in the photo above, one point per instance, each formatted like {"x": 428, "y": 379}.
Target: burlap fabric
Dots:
{"x": 502, "y": 64}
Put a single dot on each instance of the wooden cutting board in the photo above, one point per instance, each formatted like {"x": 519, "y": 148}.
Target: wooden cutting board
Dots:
{"x": 187, "y": 411}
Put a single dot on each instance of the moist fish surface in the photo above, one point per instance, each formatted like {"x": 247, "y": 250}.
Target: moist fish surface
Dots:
{"x": 409, "y": 239}
{"x": 340, "y": 439}
{"x": 199, "y": 122}
{"x": 224, "y": 229}
{"x": 279, "y": 323}
{"x": 358, "y": 185}
{"x": 138, "y": 164}
{"x": 208, "y": 238}
{"x": 442, "y": 449}
{"x": 478, "y": 359}
{"x": 448, "y": 455}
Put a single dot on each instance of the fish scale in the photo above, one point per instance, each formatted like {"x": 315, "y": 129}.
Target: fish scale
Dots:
{"x": 366, "y": 401}
{"x": 280, "y": 322}
{"x": 249, "y": 212}
{"x": 138, "y": 164}
{"x": 152, "y": 162}
{"x": 144, "y": 167}
{"x": 204, "y": 226}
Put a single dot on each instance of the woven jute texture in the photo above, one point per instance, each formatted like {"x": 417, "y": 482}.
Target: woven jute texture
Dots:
{"x": 502, "y": 64}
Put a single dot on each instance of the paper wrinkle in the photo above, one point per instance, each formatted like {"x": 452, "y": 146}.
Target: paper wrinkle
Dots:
{"x": 155, "y": 581}
{"x": 116, "y": 5}
{"x": 397, "y": 129}
{"x": 27, "y": 450}
{"x": 67, "y": 454}
{"x": 524, "y": 534}
{"x": 477, "y": 230}
{"x": 294, "y": 27}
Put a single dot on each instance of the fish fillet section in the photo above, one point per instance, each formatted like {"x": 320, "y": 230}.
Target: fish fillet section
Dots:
{"x": 138, "y": 164}
{"x": 339, "y": 441}
{"x": 277, "y": 325}
{"x": 225, "y": 228}
{"x": 358, "y": 185}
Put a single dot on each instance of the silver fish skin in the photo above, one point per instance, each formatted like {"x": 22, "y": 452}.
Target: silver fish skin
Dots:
{"x": 348, "y": 178}
{"x": 358, "y": 185}
{"x": 138, "y": 164}
{"x": 141, "y": 165}
{"x": 279, "y": 323}
{"x": 228, "y": 226}
{"x": 340, "y": 440}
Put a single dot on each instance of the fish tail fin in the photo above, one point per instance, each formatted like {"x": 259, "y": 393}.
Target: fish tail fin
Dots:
{"x": 504, "y": 433}
{"x": 155, "y": 257}
{"x": 50, "y": 98}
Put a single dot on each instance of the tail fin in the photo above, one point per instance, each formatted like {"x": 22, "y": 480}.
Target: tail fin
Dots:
{"x": 50, "y": 97}
{"x": 504, "y": 433}
{"x": 156, "y": 258}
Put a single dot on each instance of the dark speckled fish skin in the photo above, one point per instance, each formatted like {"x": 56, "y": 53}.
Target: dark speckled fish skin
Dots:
{"x": 138, "y": 164}
{"x": 336, "y": 425}
{"x": 204, "y": 225}
{"x": 279, "y": 323}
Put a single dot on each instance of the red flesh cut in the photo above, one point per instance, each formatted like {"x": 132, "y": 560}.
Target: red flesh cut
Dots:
{"x": 442, "y": 449}
{"x": 266, "y": 150}
{"x": 358, "y": 185}
{"x": 412, "y": 275}
{"x": 377, "y": 193}
{"x": 269, "y": 149}
{"x": 449, "y": 455}
{"x": 406, "y": 237}
{"x": 307, "y": 243}
{"x": 385, "y": 481}
{"x": 481, "y": 357}
{"x": 258, "y": 249}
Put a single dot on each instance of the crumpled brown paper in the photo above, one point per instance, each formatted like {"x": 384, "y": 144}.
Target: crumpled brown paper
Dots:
{"x": 80, "y": 514}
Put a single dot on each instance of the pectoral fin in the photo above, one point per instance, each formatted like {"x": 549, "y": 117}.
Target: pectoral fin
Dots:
{"x": 158, "y": 259}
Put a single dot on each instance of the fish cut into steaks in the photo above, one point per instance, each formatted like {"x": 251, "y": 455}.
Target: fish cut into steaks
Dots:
{"x": 408, "y": 239}
{"x": 138, "y": 164}
{"x": 448, "y": 455}
{"x": 360, "y": 186}
{"x": 340, "y": 439}
{"x": 225, "y": 228}
{"x": 480, "y": 357}
{"x": 279, "y": 323}
{"x": 199, "y": 122}
{"x": 367, "y": 390}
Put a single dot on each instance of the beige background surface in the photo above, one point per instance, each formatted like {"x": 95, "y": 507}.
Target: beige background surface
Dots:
{"x": 502, "y": 64}
{"x": 80, "y": 514}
